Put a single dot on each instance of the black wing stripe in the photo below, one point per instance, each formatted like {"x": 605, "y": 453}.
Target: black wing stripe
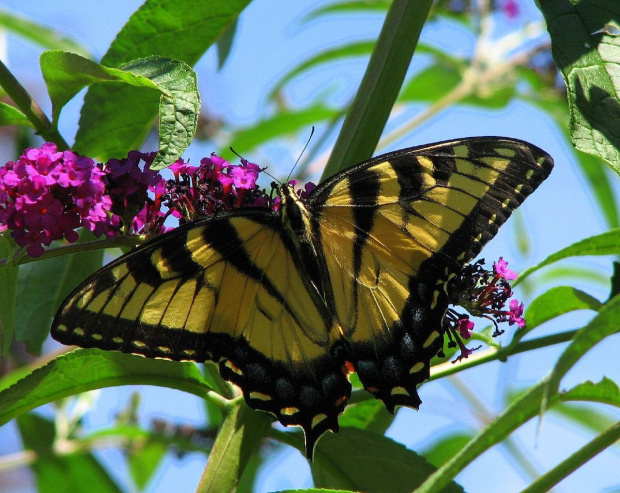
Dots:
{"x": 364, "y": 190}
{"x": 223, "y": 237}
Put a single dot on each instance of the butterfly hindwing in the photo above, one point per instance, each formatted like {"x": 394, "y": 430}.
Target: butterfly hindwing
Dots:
{"x": 228, "y": 290}
{"x": 394, "y": 229}
{"x": 283, "y": 302}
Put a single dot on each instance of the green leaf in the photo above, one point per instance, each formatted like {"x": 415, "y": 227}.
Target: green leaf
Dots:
{"x": 380, "y": 86}
{"x": 89, "y": 369}
{"x": 604, "y": 324}
{"x": 72, "y": 471}
{"x": 592, "y": 166}
{"x": 224, "y": 44}
{"x": 237, "y": 440}
{"x": 9, "y": 115}
{"x": 352, "y": 6}
{"x": 48, "y": 38}
{"x": 600, "y": 184}
{"x": 179, "y": 105}
{"x": 607, "y": 243}
{"x": 576, "y": 460}
{"x": 250, "y": 474}
{"x": 363, "y": 461}
{"x": 360, "y": 48}
{"x": 606, "y": 392}
{"x": 8, "y": 295}
{"x": 317, "y": 490}
{"x": 555, "y": 302}
{"x": 368, "y": 415}
{"x": 586, "y": 416}
{"x": 43, "y": 285}
{"x": 175, "y": 82}
{"x": 446, "y": 447}
{"x": 587, "y": 57}
{"x": 144, "y": 461}
{"x": 431, "y": 83}
{"x": 529, "y": 403}
{"x": 520, "y": 411}
{"x": 279, "y": 125}
{"x": 161, "y": 27}
{"x": 66, "y": 74}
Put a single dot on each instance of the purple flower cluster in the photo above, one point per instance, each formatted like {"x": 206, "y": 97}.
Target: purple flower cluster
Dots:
{"x": 129, "y": 181}
{"x": 483, "y": 294}
{"x": 214, "y": 186}
{"x": 46, "y": 194}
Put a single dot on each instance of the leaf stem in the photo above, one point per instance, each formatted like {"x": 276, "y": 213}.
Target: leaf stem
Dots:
{"x": 116, "y": 242}
{"x": 474, "y": 77}
{"x": 501, "y": 353}
{"x": 30, "y": 108}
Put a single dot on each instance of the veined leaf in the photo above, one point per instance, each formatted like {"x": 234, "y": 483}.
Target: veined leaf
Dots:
{"x": 175, "y": 82}
{"x": 607, "y": 243}
{"x": 587, "y": 56}
{"x": 158, "y": 26}
{"x": 65, "y": 376}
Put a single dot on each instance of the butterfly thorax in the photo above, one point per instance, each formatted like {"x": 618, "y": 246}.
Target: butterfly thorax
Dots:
{"x": 295, "y": 216}
{"x": 297, "y": 221}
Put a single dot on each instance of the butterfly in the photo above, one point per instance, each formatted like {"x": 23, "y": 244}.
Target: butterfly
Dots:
{"x": 287, "y": 303}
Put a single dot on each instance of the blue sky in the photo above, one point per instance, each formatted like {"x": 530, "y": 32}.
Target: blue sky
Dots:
{"x": 270, "y": 40}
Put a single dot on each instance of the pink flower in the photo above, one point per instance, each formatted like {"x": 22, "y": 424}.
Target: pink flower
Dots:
{"x": 46, "y": 193}
{"x": 511, "y": 8}
{"x": 243, "y": 177}
{"x": 465, "y": 327}
{"x": 516, "y": 312}
{"x": 501, "y": 269}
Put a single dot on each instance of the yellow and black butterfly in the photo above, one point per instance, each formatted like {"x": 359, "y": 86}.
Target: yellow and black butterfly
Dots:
{"x": 286, "y": 301}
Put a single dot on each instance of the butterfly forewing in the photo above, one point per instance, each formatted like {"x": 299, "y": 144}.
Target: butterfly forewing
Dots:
{"x": 395, "y": 228}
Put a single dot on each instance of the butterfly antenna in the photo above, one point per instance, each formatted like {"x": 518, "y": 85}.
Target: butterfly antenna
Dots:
{"x": 263, "y": 170}
{"x": 300, "y": 154}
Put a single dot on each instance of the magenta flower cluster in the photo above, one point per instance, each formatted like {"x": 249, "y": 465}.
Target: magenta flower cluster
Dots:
{"x": 129, "y": 181}
{"x": 214, "y": 186}
{"x": 46, "y": 194}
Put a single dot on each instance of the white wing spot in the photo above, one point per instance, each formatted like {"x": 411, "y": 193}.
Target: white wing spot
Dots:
{"x": 318, "y": 419}
{"x": 430, "y": 339}
{"x": 399, "y": 391}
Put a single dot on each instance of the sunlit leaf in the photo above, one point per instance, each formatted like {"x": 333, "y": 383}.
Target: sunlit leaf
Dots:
{"x": 159, "y": 27}
{"x": 65, "y": 376}
{"x": 607, "y": 243}
{"x": 359, "y": 460}
{"x": 586, "y": 54}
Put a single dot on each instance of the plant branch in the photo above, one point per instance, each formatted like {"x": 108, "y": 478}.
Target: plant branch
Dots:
{"x": 501, "y": 353}
{"x": 576, "y": 460}
{"x": 30, "y": 108}
{"x": 475, "y": 76}
{"x": 116, "y": 242}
